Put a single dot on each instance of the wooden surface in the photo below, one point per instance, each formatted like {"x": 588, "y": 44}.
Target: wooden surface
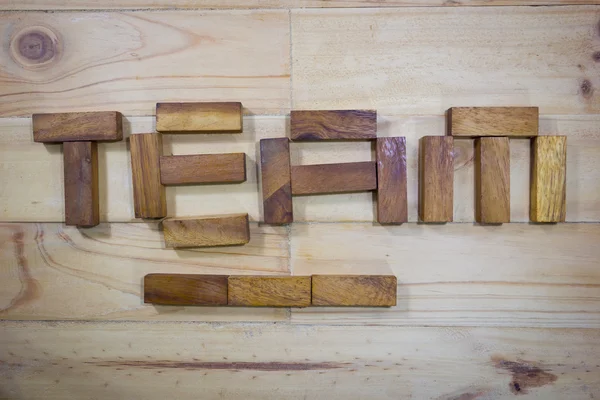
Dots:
{"x": 206, "y": 231}
{"x": 269, "y": 291}
{"x": 276, "y": 181}
{"x": 548, "y": 179}
{"x": 493, "y": 121}
{"x": 199, "y": 117}
{"x": 318, "y": 125}
{"x": 391, "y": 180}
{"x": 436, "y": 178}
{"x": 334, "y": 178}
{"x": 73, "y": 127}
{"x": 203, "y": 168}
{"x": 82, "y": 199}
{"x": 354, "y": 290}
{"x": 185, "y": 289}
{"x": 492, "y": 180}
{"x": 149, "y": 200}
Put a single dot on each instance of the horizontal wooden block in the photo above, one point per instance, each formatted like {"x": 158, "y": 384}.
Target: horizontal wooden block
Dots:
{"x": 354, "y": 290}
{"x": 185, "y": 289}
{"x": 548, "y": 200}
{"x": 276, "y": 181}
{"x": 436, "y": 178}
{"x": 333, "y": 125}
{"x": 82, "y": 203}
{"x": 102, "y": 126}
{"x": 223, "y": 117}
{"x": 391, "y": 180}
{"x": 149, "y": 199}
{"x": 269, "y": 291}
{"x": 203, "y": 168}
{"x": 334, "y": 178}
{"x": 492, "y": 180}
{"x": 217, "y": 230}
{"x": 493, "y": 121}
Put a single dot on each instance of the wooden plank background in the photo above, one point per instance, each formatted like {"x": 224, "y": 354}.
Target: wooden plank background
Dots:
{"x": 484, "y": 312}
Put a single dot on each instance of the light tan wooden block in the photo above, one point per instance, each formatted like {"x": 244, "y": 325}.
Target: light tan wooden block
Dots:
{"x": 492, "y": 180}
{"x": 217, "y": 230}
{"x": 203, "y": 168}
{"x": 334, "y": 178}
{"x": 102, "y": 126}
{"x": 549, "y": 179}
{"x": 269, "y": 291}
{"x": 224, "y": 117}
{"x": 436, "y": 178}
{"x": 82, "y": 203}
{"x": 354, "y": 290}
{"x": 148, "y": 193}
{"x": 493, "y": 121}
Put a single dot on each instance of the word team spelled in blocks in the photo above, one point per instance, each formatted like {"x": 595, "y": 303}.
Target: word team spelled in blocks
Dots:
{"x": 217, "y": 230}
{"x": 276, "y": 181}
{"x": 493, "y": 121}
{"x": 222, "y": 117}
{"x": 548, "y": 179}
{"x": 334, "y": 178}
{"x": 203, "y": 168}
{"x": 333, "y": 125}
{"x": 102, "y": 126}
{"x": 82, "y": 206}
{"x": 185, "y": 289}
{"x": 392, "y": 205}
{"x": 269, "y": 291}
{"x": 354, "y": 290}
{"x": 436, "y": 178}
{"x": 148, "y": 192}
{"x": 492, "y": 180}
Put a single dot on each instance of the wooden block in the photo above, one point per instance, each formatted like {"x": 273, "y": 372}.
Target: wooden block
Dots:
{"x": 436, "y": 178}
{"x": 492, "y": 180}
{"x": 276, "y": 181}
{"x": 354, "y": 290}
{"x": 334, "y": 178}
{"x": 223, "y": 117}
{"x": 82, "y": 206}
{"x": 148, "y": 194}
{"x": 185, "y": 289}
{"x": 203, "y": 168}
{"x": 216, "y": 230}
{"x": 548, "y": 179}
{"x": 269, "y": 291}
{"x": 493, "y": 121}
{"x": 103, "y": 126}
{"x": 391, "y": 180}
{"x": 333, "y": 125}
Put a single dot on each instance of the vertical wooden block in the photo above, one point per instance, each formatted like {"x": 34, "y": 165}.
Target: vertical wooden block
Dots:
{"x": 81, "y": 183}
{"x": 549, "y": 179}
{"x": 148, "y": 193}
{"x": 391, "y": 180}
{"x": 203, "y": 168}
{"x": 220, "y": 117}
{"x": 217, "y": 230}
{"x": 78, "y": 127}
{"x": 185, "y": 289}
{"x": 354, "y": 290}
{"x": 436, "y": 178}
{"x": 269, "y": 291}
{"x": 276, "y": 181}
{"x": 333, "y": 125}
{"x": 492, "y": 180}
{"x": 334, "y": 178}
{"x": 493, "y": 121}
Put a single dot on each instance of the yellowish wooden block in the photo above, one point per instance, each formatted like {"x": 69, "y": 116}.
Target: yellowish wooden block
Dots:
{"x": 269, "y": 291}
{"x": 493, "y": 121}
{"x": 224, "y": 117}
{"x": 217, "y": 230}
{"x": 548, "y": 200}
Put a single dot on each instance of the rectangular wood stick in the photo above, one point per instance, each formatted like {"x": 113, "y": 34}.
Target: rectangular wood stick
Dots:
{"x": 269, "y": 291}
{"x": 493, "y": 121}
{"x": 492, "y": 180}
{"x": 216, "y": 230}
{"x": 203, "y": 168}
{"x": 333, "y": 125}
{"x": 149, "y": 199}
{"x": 82, "y": 207}
{"x": 391, "y": 180}
{"x": 436, "y": 178}
{"x": 276, "y": 181}
{"x": 354, "y": 290}
{"x": 334, "y": 178}
{"x": 215, "y": 117}
{"x": 97, "y": 126}
{"x": 548, "y": 200}
{"x": 185, "y": 289}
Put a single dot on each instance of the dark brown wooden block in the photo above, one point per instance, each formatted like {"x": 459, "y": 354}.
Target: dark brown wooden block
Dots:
{"x": 493, "y": 121}
{"x": 216, "y": 117}
{"x": 333, "y": 125}
{"x": 216, "y": 230}
{"x": 148, "y": 194}
{"x": 354, "y": 290}
{"x": 269, "y": 291}
{"x": 276, "y": 181}
{"x": 185, "y": 289}
{"x": 81, "y": 183}
{"x": 436, "y": 178}
{"x": 549, "y": 179}
{"x": 492, "y": 180}
{"x": 203, "y": 168}
{"x": 391, "y": 180}
{"x": 334, "y": 178}
{"x": 78, "y": 127}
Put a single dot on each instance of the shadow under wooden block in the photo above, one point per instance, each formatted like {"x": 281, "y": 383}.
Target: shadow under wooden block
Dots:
{"x": 548, "y": 197}
{"x": 354, "y": 290}
{"x": 333, "y": 124}
{"x": 436, "y": 178}
{"x": 77, "y": 127}
{"x": 276, "y": 181}
{"x": 185, "y": 289}
{"x": 213, "y": 117}
{"x": 217, "y": 230}
{"x": 203, "y": 168}
{"x": 492, "y": 180}
{"x": 392, "y": 205}
{"x": 149, "y": 197}
{"x": 334, "y": 178}
{"x": 82, "y": 203}
{"x": 269, "y": 291}
{"x": 493, "y": 121}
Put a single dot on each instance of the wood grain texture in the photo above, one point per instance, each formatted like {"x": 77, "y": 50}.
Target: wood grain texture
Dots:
{"x": 222, "y": 117}
{"x": 104, "y": 126}
{"x": 492, "y": 180}
{"x": 493, "y": 121}
{"x": 269, "y": 291}
{"x": 129, "y": 61}
{"x": 203, "y": 168}
{"x": 218, "y": 230}
{"x": 276, "y": 181}
{"x": 334, "y": 178}
{"x": 185, "y": 289}
{"x": 436, "y": 178}
{"x": 354, "y": 290}
{"x": 149, "y": 199}
{"x": 82, "y": 202}
{"x": 391, "y": 180}
{"x": 333, "y": 125}
{"x": 549, "y": 179}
